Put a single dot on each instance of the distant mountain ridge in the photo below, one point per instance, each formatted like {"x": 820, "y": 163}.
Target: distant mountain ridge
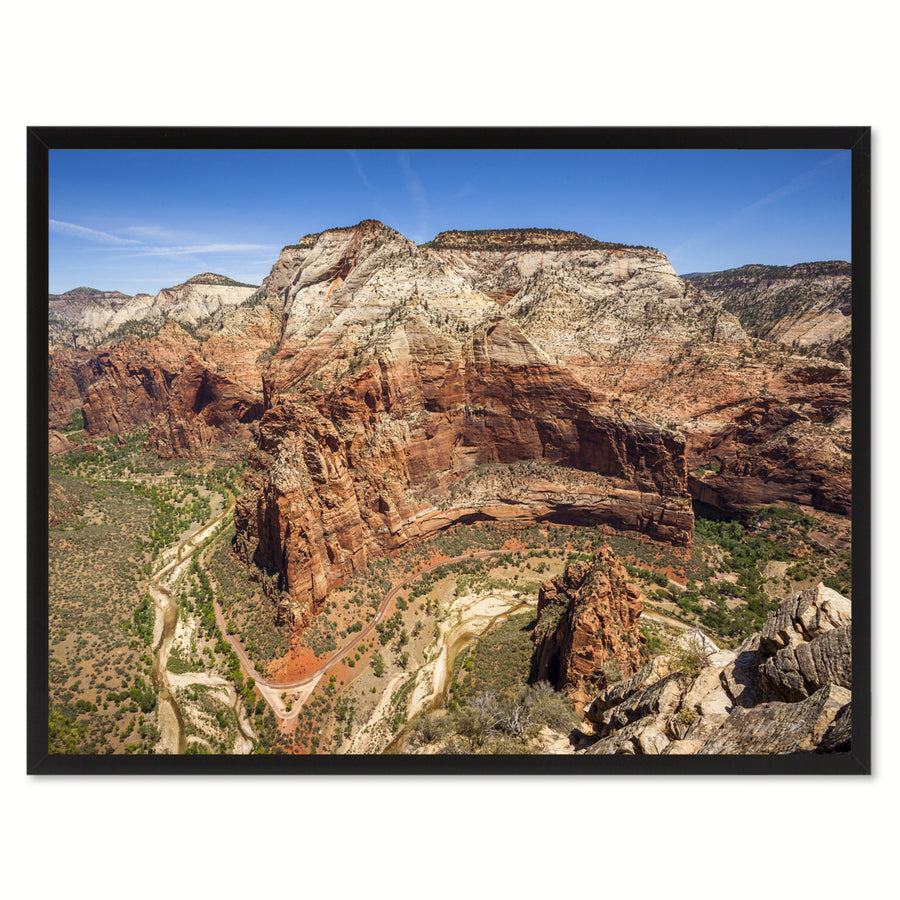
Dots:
{"x": 86, "y": 318}
{"x": 807, "y": 305}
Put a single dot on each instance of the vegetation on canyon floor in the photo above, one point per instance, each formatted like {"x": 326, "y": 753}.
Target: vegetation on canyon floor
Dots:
{"x": 117, "y": 508}
{"x": 120, "y": 506}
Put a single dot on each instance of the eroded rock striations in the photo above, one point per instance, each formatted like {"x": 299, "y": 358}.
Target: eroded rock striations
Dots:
{"x": 87, "y": 318}
{"x": 586, "y": 629}
{"x": 785, "y": 690}
{"x": 392, "y": 390}
{"x": 807, "y": 305}
{"x": 438, "y": 431}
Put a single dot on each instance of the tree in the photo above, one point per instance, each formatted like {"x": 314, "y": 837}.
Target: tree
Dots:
{"x": 478, "y": 719}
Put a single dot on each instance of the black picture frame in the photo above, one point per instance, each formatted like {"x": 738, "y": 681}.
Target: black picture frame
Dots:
{"x": 42, "y": 140}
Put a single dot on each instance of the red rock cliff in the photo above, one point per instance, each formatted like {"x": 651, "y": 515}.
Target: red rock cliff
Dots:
{"x": 587, "y": 628}
{"x": 437, "y": 432}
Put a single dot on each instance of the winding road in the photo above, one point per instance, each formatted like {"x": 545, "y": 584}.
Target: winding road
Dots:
{"x": 271, "y": 690}
{"x": 310, "y": 681}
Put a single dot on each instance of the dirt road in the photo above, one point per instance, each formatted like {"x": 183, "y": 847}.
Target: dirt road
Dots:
{"x": 272, "y": 689}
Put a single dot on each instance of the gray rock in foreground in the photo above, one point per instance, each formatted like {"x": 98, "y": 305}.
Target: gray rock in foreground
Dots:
{"x": 785, "y": 690}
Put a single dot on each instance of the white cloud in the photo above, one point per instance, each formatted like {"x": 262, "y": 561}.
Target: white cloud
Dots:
{"x": 195, "y": 249}
{"x": 89, "y": 234}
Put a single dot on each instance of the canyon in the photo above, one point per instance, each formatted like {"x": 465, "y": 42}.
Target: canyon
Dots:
{"x": 381, "y": 392}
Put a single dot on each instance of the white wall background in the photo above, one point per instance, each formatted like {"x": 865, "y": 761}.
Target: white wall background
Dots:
{"x": 464, "y": 63}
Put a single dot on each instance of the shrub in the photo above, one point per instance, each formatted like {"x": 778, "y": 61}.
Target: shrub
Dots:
{"x": 690, "y": 654}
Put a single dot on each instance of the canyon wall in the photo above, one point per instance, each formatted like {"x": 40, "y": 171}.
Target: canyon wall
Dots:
{"x": 436, "y": 432}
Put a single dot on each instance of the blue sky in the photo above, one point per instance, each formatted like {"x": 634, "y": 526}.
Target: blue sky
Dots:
{"x": 139, "y": 221}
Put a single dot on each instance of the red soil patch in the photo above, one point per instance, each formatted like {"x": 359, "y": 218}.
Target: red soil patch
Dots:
{"x": 296, "y": 665}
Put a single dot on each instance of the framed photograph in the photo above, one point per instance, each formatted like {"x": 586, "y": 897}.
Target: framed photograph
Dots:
{"x": 437, "y": 451}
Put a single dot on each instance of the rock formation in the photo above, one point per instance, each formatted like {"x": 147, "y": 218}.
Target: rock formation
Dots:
{"x": 196, "y": 395}
{"x": 132, "y": 383}
{"x": 807, "y": 305}
{"x": 437, "y": 431}
{"x": 392, "y": 390}
{"x": 70, "y": 374}
{"x": 789, "y": 440}
{"x": 586, "y": 302}
{"x": 204, "y": 409}
{"x": 59, "y": 444}
{"x": 586, "y": 629}
{"x": 784, "y": 690}
{"x": 86, "y": 318}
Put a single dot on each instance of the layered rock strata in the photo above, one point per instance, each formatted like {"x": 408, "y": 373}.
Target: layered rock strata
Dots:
{"x": 584, "y": 301}
{"x": 617, "y": 317}
{"x": 787, "y": 689}
{"x": 196, "y": 396}
{"x": 418, "y": 440}
{"x": 806, "y": 305}
{"x": 624, "y": 322}
{"x": 586, "y": 629}
{"x": 787, "y": 439}
{"x": 86, "y": 318}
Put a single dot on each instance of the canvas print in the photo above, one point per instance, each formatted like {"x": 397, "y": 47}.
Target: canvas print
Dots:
{"x": 450, "y": 453}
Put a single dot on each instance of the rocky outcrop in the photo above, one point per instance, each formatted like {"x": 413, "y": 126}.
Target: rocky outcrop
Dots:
{"x": 805, "y": 645}
{"x": 792, "y": 444}
{"x": 197, "y": 396}
{"x": 345, "y": 279}
{"x": 584, "y": 301}
{"x": 204, "y": 409}
{"x": 70, "y": 374}
{"x": 86, "y": 318}
{"x": 586, "y": 629}
{"x": 807, "y": 305}
{"x": 437, "y": 431}
{"x": 78, "y": 318}
{"x": 200, "y": 298}
{"x": 760, "y": 427}
{"x": 59, "y": 444}
{"x": 133, "y": 381}
{"x": 128, "y": 383}
{"x": 785, "y": 690}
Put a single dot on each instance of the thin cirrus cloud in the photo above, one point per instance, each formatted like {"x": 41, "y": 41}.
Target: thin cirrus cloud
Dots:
{"x": 138, "y": 247}
{"x": 194, "y": 249}
{"x": 417, "y": 193}
{"x": 89, "y": 234}
{"x": 798, "y": 183}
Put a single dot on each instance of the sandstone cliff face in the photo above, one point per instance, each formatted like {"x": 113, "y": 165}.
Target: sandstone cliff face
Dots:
{"x": 70, "y": 374}
{"x": 785, "y": 690}
{"x": 394, "y": 376}
{"x": 807, "y": 305}
{"x": 59, "y": 444}
{"x": 198, "y": 396}
{"x": 777, "y": 434}
{"x": 587, "y": 302}
{"x": 617, "y": 318}
{"x": 132, "y": 381}
{"x": 79, "y": 318}
{"x": 399, "y": 376}
{"x": 399, "y": 451}
{"x": 348, "y": 278}
{"x": 587, "y": 627}
{"x": 204, "y": 409}
{"x": 87, "y": 318}
{"x": 775, "y": 427}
